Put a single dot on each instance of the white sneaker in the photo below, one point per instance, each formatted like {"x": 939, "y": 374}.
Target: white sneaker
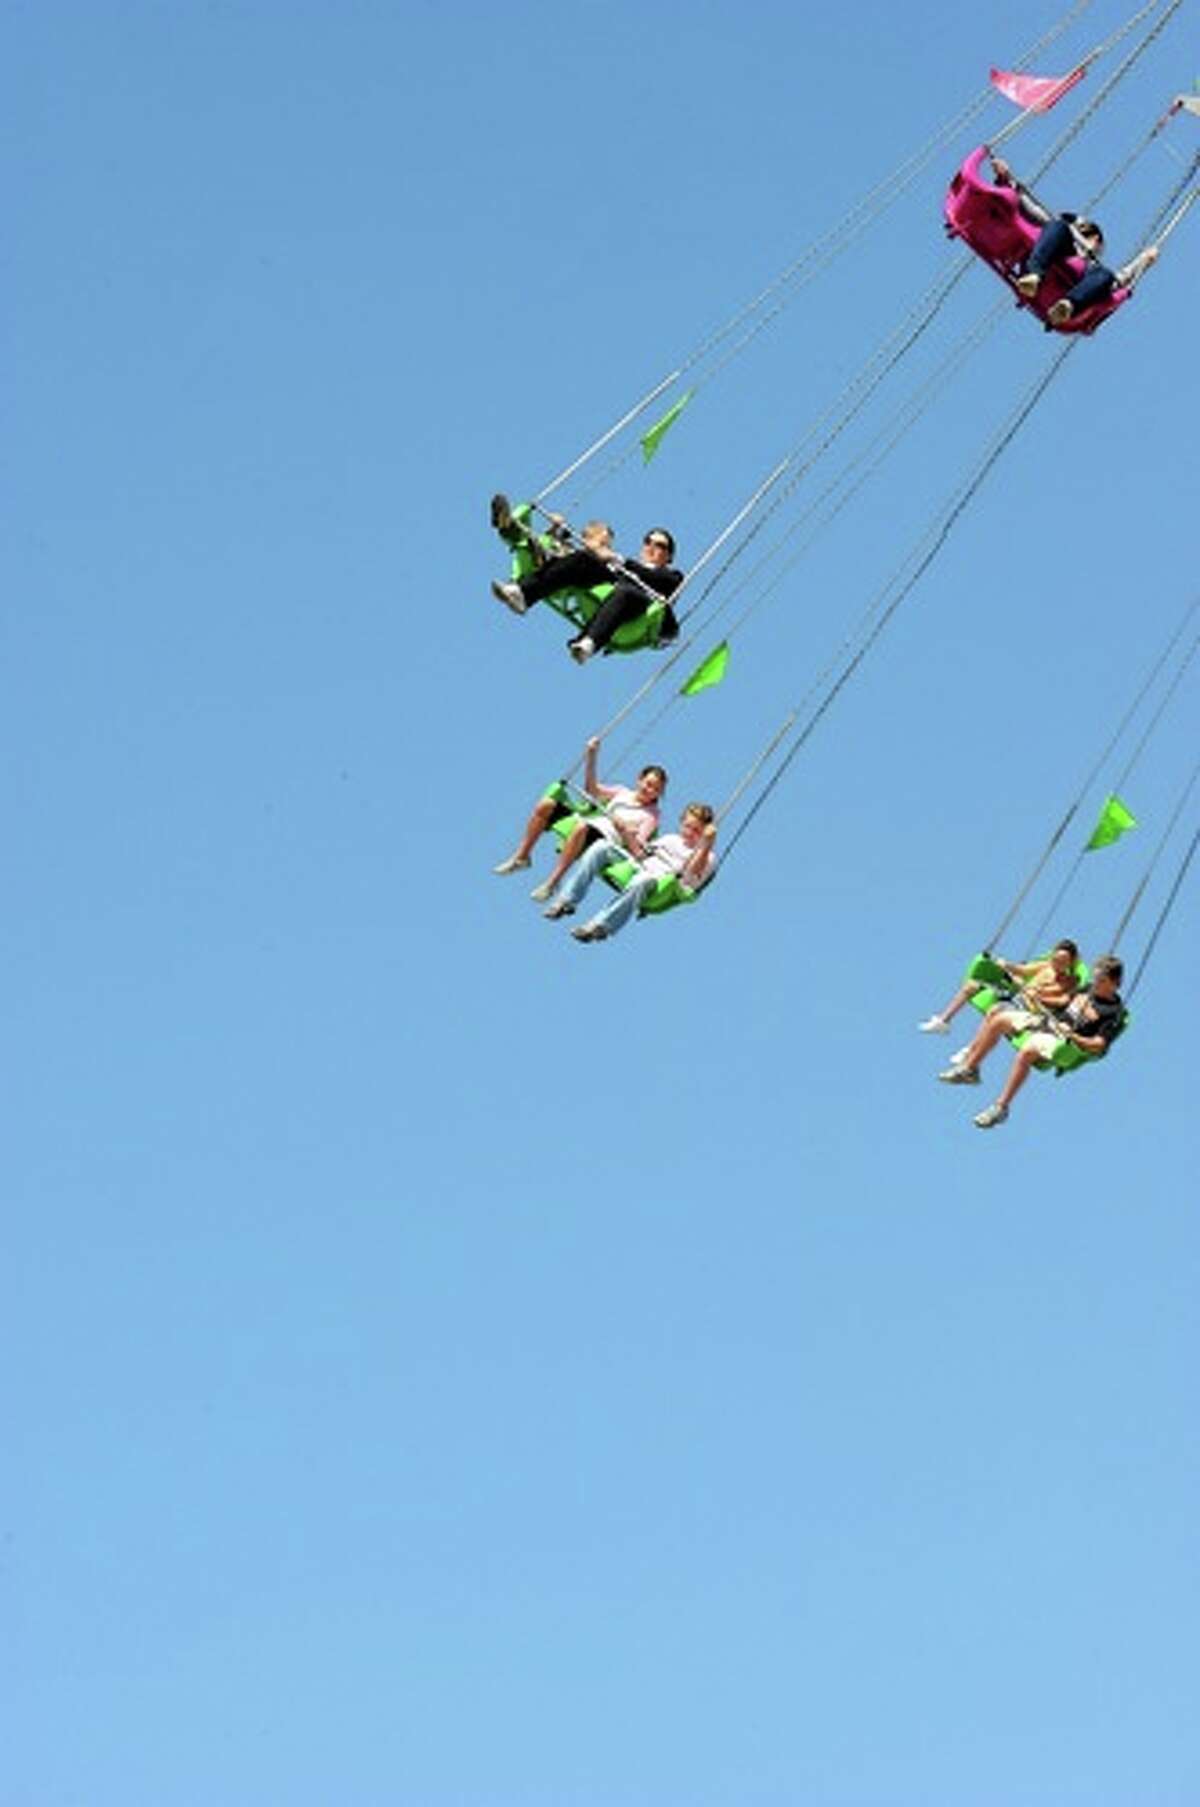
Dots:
{"x": 959, "y": 1059}
{"x": 543, "y": 892}
{"x": 514, "y": 863}
{"x": 934, "y": 1025}
{"x": 561, "y": 908}
{"x": 581, "y": 649}
{"x": 510, "y": 595}
{"x": 988, "y": 1119}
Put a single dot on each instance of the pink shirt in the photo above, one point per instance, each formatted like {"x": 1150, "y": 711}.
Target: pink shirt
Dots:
{"x": 623, "y": 811}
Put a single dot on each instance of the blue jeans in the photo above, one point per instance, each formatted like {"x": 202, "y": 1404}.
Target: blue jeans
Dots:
{"x": 1054, "y": 244}
{"x": 589, "y": 867}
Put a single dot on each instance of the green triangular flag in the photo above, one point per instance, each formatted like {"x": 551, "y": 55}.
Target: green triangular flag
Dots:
{"x": 651, "y": 440}
{"x": 710, "y": 671}
{"x": 1114, "y": 820}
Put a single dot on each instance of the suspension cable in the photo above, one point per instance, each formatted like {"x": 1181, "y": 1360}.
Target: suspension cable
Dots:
{"x": 1089, "y": 780}
{"x": 922, "y": 557}
{"x": 1163, "y": 914}
{"x": 1122, "y": 778}
{"x": 1136, "y": 899}
{"x": 822, "y": 250}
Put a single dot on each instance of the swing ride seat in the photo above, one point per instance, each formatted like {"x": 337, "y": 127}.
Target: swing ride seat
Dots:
{"x": 988, "y": 219}
{"x": 571, "y": 809}
{"x": 999, "y": 987}
{"x": 579, "y": 607}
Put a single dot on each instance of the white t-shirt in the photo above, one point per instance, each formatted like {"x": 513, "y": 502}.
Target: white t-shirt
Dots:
{"x": 669, "y": 854}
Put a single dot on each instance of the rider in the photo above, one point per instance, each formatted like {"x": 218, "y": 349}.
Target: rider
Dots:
{"x": 1068, "y": 235}
{"x": 627, "y": 819}
{"x": 1051, "y": 981}
{"x": 636, "y": 582}
{"x": 1092, "y": 1019}
{"x": 686, "y": 855}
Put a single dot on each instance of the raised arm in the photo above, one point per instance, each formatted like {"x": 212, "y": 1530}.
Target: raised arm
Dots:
{"x": 1137, "y": 266}
{"x": 700, "y": 861}
{"x": 592, "y": 784}
{"x": 1029, "y": 204}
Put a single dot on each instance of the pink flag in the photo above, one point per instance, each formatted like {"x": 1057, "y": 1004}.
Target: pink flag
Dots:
{"x": 1035, "y": 92}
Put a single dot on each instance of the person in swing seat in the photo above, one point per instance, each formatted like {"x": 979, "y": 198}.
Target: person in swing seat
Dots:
{"x": 635, "y": 581}
{"x": 1068, "y": 235}
{"x": 627, "y": 820}
{"x": 686, "y": 855}
{"x": 1091, "y": 1020}
{"x": 1051, "y": 981}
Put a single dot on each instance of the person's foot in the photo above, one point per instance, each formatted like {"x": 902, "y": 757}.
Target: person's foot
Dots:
{"x": 1060, "y": 313}
{"x": 962, "y": 1075}
{"x": 988, "y": 1119}
{"x": 581, "y": 649}
{"x": 510, "y": 595}
{"x": 1028, "y": 285}
{"x": 514, "y": 863}
{"x": 559, "y": 908}
{"x": 544, "y": 892}
{"x": 502, "y": 519}
{"x": 934, "y": 1025}
{"x": 959, "y": 1057}
{"x": 590, "y": 931}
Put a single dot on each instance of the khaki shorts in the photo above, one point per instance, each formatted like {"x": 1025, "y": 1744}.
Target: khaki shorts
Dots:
{"x": 1041, "y": 1042}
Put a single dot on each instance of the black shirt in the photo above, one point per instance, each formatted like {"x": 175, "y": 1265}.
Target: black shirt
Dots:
{"x": 664, "y": 580}
{"x": 1097, "y": 1016}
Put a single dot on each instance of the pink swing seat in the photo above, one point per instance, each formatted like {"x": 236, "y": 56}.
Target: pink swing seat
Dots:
{"x": 988, "y": 218}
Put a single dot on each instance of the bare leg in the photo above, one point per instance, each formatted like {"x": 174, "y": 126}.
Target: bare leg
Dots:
{"x": 1019, "y": 1072}
{"x": 568, "y": 853}
{"x": 962, "y": 996}
{"x": 995, "y": 1025}
{"x": 939, "y": 1022}
{"x": 536, "y": 826}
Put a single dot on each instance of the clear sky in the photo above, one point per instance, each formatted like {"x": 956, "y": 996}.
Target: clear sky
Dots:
{"x": 448, "y": 1366}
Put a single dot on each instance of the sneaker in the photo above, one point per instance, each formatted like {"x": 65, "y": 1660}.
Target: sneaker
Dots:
{"x": 963, "y": 1075}
{"x": 510, "y": 595}
{"x": 1028, "y": 285}
{"x": 1060, "y": 313}
{"x": 581, "y": 649}
{"x": 514, "y": 863}
{"x": 934, "y": 1025}
{"x": 502, "y": 519}
{"x": 988, "y": 1119}
{"x": 544, "y": 892}
{"x": 590, "y": 931}
{"x": 559, "y": 908}
{"x": 959, "y": 1057}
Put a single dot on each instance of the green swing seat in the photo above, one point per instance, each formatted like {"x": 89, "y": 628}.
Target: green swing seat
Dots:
{"x": 579, "y": 607}
{"x": 999, "y": 987}
{"x": 571, "y": 808}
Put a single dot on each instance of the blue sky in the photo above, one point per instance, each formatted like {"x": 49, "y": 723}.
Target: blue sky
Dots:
{"x": 449, "y": 1365}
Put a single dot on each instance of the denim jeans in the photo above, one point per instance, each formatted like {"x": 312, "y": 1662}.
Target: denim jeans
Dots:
{"x": 1055, "y": 243}
{"x": 588, "y": 868}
